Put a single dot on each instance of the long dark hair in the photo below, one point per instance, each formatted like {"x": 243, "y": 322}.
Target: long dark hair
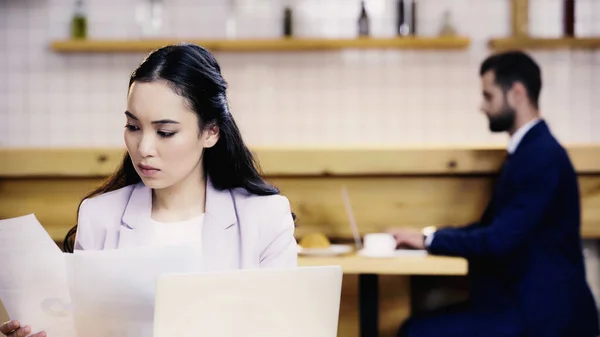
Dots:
{"x": 193, "y": 73}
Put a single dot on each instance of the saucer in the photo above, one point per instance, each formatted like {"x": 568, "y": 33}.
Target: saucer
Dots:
{"x": 396, "y": 253}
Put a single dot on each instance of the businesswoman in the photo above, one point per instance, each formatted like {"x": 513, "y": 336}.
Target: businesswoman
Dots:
{"x": 186, "y": 177}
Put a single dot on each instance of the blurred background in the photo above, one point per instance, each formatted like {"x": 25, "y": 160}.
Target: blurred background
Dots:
{"x": 306, "y": 98}
{"x": 317, "y": 75}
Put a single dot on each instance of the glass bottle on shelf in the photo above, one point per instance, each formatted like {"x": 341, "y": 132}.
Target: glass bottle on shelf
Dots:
{"x": 363, "y": 20}
{"x": 79, "y": 21}
{"x": 231, "y": 21}
{"x": 288, "y": 21}
{"x": 413, "y": 17}
{"x": 447, "y": 28}
{"x": 149, "y": 16}
{"x": 406, "y": 20}
{"x": 569, "y": 18}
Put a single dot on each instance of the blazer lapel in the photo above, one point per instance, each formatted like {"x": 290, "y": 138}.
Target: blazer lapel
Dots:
{"x": 539, "y": 130}
{"x": 136, "y": 228}
{"x": 218, "y": 233}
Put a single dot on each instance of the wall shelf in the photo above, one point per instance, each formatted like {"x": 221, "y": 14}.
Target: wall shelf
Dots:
{"x": 263, "y": 45}
{"x": 545, "y": 43}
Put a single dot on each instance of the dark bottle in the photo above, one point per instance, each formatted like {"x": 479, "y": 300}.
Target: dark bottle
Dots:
{"x": 363, "y": 21}
{"x": 79, "y": 22}
{"x": 406, "y": 22}
{"x": 413, "y": 17}
{"x": 287, "y": 22}
{"x": 401, "y": 26}
{"x": 569, "y": 18}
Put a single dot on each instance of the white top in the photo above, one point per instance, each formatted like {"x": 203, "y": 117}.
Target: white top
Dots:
{"x": 516, "y": 138}
{"x": 177, "y": 233}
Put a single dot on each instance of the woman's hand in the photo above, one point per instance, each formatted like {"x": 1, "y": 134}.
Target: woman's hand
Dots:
{"x": 14, "y": 329}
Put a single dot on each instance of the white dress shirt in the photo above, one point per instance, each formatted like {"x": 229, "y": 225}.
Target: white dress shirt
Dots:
{"x": 517, "y": 137}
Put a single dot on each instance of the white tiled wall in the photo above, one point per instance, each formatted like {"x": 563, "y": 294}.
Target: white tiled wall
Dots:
{"x": 308, "y": 99}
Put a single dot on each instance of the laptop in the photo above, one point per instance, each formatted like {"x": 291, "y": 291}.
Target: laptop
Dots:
{"x": 299, "y": 302}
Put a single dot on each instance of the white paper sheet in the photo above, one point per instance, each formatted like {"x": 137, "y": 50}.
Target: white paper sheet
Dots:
{"x": 85, "y": 294}
{"x": 33, "y": 278}
{"x": 113, "y": 292}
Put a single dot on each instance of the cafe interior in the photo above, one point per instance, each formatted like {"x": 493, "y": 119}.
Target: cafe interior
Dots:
{"x": 365, "y": 114}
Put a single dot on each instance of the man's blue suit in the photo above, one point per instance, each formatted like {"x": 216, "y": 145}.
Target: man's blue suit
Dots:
{"x": 526, "y": 268}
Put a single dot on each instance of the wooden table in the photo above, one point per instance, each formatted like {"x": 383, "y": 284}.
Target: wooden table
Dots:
{"x": 405, "y": 265}
{"x": 369, "y": 269}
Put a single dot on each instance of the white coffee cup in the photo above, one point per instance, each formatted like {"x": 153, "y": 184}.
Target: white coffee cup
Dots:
{"x": 379, "y": 243}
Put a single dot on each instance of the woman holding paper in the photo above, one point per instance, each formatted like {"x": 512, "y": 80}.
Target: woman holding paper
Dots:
{"x": 187, "y": 176}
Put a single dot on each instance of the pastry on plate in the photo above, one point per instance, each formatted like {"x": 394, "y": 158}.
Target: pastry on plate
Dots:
{"x": 315, "y": 241}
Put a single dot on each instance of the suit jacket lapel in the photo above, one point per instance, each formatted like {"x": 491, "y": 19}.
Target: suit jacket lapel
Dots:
{"x": 219, "y": 222}
{"x": 136, "y": 228}
{"x": 220, "y": 208}
{"x": 539, "y": 130}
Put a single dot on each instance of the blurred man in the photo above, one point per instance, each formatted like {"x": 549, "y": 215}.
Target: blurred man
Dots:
{"x": 526, "y": 269}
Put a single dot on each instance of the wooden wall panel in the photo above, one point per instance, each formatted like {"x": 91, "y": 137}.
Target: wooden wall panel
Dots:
{"x": 295, "y": 161}
{"x": 388, "y": 187}
{"x": 349, "y": 319}
{"x": 53, "y": 201}
{"x": 394, "y": 304}
{"x": 378, "y": 202}
{"x": 381, "y": 202}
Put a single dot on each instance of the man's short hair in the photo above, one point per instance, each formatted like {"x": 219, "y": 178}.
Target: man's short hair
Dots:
{"x": 515, "y": 66}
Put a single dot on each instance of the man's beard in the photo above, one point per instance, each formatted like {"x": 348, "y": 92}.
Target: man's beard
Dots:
{"x": 504, "y": 120}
